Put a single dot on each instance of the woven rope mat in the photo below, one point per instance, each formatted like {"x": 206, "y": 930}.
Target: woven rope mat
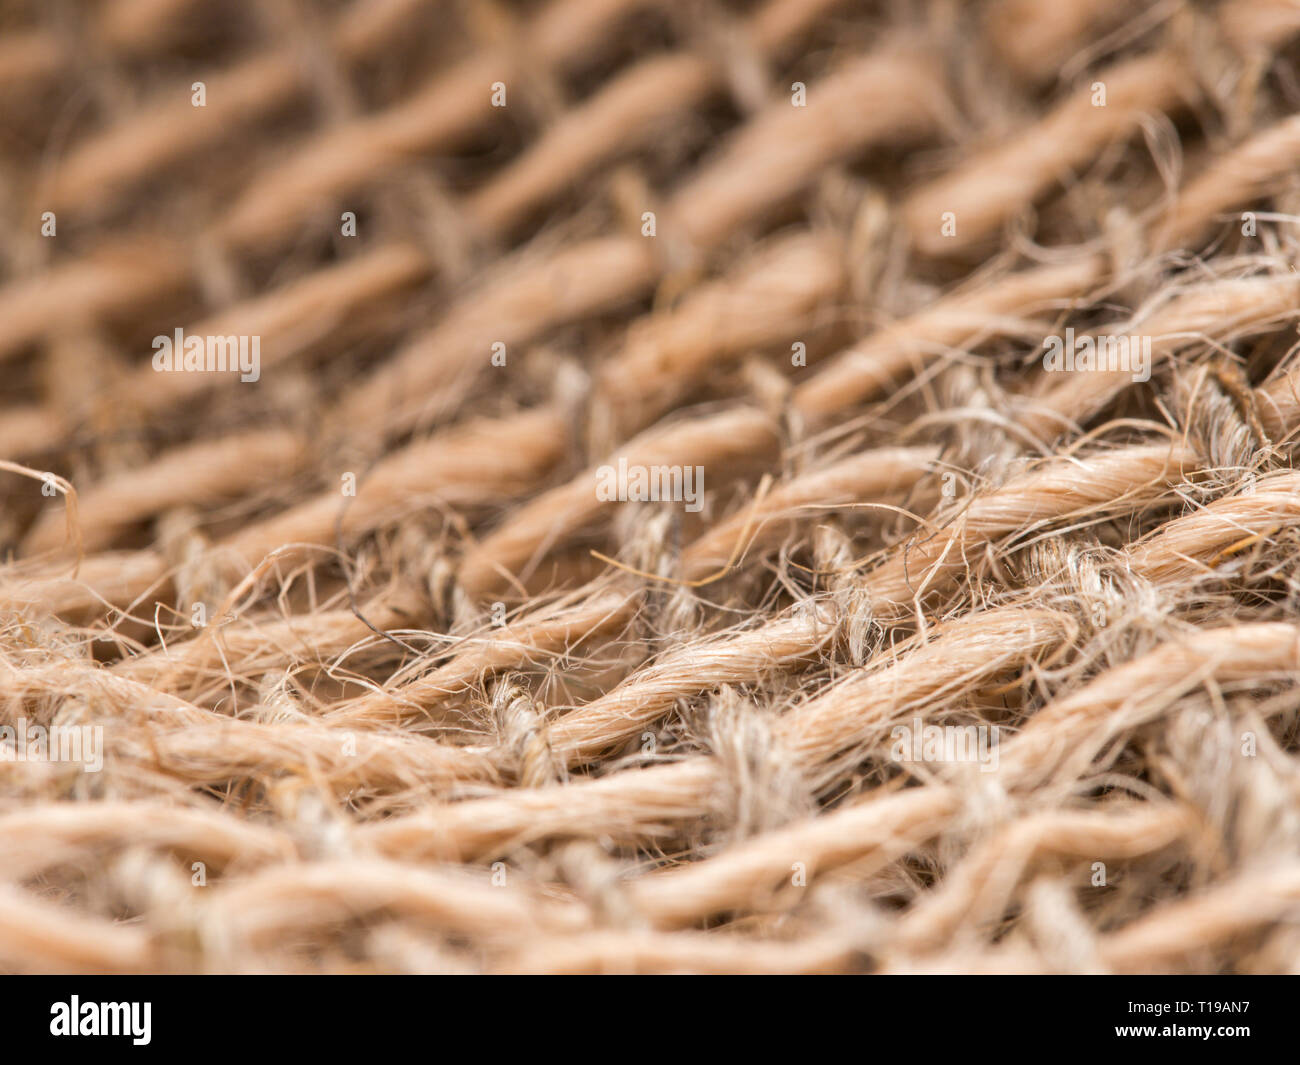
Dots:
{"x": 617, "y": 485}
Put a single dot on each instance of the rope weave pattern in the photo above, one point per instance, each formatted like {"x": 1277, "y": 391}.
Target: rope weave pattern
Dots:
{"x": 655, "y": 535}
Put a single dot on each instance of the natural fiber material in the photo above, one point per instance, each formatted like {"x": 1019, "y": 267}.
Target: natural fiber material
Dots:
{"x": 772, "y": 486}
